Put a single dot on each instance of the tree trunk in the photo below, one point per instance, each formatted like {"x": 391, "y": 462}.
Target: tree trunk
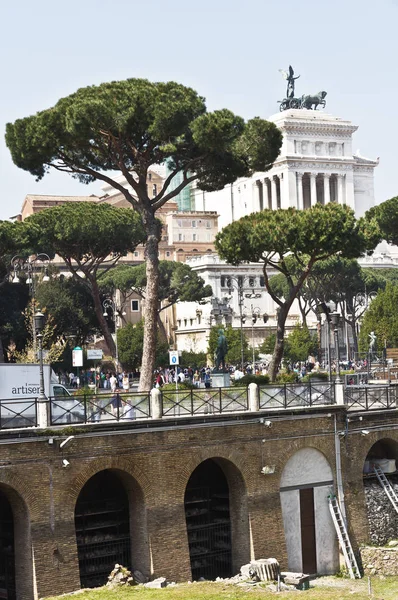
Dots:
{"x": 279, "y": 341}
{"x": 100, "y": 316}
{"x": 151, "y": 302}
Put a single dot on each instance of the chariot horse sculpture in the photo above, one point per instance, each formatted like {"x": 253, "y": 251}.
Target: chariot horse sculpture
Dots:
{"x": 309, "y": 101}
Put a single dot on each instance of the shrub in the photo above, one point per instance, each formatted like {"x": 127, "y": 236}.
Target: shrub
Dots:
{"x": 246, "y": 379}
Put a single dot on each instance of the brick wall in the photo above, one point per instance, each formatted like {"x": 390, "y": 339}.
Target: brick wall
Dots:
{"x": 155, "y": 466}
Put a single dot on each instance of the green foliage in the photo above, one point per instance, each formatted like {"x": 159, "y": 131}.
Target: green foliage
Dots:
{"x": 268, "y": 345}
{"x": 386, "y": 216}
{"x": 130, "y": 340}
{"x": 285, "y": 377}
{"x": 178, "y": 282}
{"x": 128, "y": 126}
{"x": 98, "y": 128}
{"x": 13, "y": 302}
{"x": 310, "y": 236}
{"x": 300, "y": 344}
{"x": 86, "y": 232}
{"x": 246, "y": 379}
{"x": 196, "y": 360}
{"x": 71, "y": 307}
{"x": 233, "y": 337}
{"x": 316, "y": 375}
{"x": 382, "y": 318}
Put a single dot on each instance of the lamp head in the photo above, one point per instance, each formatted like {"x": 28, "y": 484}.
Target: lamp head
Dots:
{"x": 39, "y": 322}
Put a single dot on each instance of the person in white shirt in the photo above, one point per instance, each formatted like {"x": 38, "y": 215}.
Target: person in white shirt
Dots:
{"x": 113, "y": 382}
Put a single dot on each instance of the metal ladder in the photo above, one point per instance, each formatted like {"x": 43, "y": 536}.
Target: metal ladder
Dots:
{"x": 387, "y": 487}
{"x": 344, "y": 540}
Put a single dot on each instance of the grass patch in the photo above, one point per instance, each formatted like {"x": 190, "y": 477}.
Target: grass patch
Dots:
{"x": 328, "y": 588}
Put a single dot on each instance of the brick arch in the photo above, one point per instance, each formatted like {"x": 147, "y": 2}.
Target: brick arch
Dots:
{"x": 191, "y": 462}
{"x": 232, "y": 466}
{"x": 16, "y": 492}
{"x": 14, "y": 485}
{"x": 122, "y": 464}
{"x": 367, "y": 446}
{"x": 283, "y": 460}
{"x": 138, "y": 489}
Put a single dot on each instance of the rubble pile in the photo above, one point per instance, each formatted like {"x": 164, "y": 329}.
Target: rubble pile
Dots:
{"x": 383, "y": 522}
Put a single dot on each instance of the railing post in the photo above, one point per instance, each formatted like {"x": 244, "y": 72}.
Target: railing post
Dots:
{"x": 156, "y": 403}
{"x": 254, "y": 399}
{"x": 339, "y": 392}
{"x": 43, "y": 412}
{"x": 285, "y": 395}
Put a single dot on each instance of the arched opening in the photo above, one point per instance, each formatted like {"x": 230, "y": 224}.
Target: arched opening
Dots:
{"x": 207, "y": 513}
{"x": 382, "y": 517}
{"x": 306, "y": 482}
{"x": 102, "y": 523}
{"x": 7, "y": 550}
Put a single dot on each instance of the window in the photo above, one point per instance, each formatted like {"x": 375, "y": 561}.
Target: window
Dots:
{"x": 136, "y": 254}
{"x": 208, "y": 224}
{"x": 262, "y": 281}
{"x": 194, "y": 237}
{"x": 252, "y": 282}
{"x": 149, "y": 176}
{"x": 185, "y": 322}
{"x": 135, "y": 306}
{"x": 193, "y": 223}
{"x": 179, "y": 322}
{"x": 191, "y": 321}
{"x": 180, "y": 237}
{"x": 154, "y": 190}
{"x": 167, "y": 253}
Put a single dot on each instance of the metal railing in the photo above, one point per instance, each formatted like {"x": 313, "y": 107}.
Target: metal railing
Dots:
{"x": 199, "y": 401}
{"x": 100, "y": 408}
{"x": 371, "y": 397}
{"x": 294, "y": 395}
{"x": 18, "y": 413}
{"x": 134, "y": 406}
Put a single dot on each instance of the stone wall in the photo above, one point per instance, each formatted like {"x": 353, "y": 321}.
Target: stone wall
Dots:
{"x": 155, "y": 463}
{"x": 383, "y": 521}
{"x": 380, "y": 561}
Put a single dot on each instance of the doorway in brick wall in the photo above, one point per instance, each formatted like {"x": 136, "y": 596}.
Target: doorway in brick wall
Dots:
{"x": 102, "y": 528}
{"x": 7, "y": 550}
{"x": 207, "y": 514}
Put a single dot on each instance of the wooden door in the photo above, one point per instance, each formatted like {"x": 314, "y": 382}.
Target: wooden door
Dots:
{"x": 307, "y": 518}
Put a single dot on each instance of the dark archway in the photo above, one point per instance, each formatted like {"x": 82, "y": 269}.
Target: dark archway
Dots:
{"x": 7, "y": 550}
{"x": 102, "y": 528}
{"x": 382, "y": 516}
{"x": 207, "y": 513}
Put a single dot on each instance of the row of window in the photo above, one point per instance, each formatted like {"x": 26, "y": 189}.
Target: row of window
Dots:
{"x": 187, "y": 223}
{"x": 195, "y": 237}
{"x": 251, "y": 282}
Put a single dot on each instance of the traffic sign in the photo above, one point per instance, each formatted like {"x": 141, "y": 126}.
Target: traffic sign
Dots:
{"x": 94, "y": 354}
{"x": 77, "y": 357}
{"x": 173, "y": 360}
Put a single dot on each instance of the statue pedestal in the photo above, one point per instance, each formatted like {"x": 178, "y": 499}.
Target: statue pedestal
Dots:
{"x": 220, "y": 380}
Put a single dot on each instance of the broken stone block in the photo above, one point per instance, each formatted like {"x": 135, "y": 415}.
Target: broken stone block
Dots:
{"x": 267, "y": 569}
{"x": 160, "y": 582}
{"x": 139, "y": 577}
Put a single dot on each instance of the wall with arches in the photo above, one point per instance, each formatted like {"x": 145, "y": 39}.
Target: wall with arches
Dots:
{"x": 154, "y": 465}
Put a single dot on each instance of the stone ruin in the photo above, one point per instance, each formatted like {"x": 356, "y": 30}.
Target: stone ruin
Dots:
{"x": 383, "y": 521}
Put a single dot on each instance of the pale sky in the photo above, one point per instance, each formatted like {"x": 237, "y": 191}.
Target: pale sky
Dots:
{"x": 228, "y": 50}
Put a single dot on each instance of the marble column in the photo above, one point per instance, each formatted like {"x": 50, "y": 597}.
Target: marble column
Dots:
{"x": 326, "y": 187}
{"x": 274, "y": 197}
{"x": 300, "y": 191}
{"x": 266, "y": 193}
{"x": 340, "y": 189}
{"x": 313, "y": 189}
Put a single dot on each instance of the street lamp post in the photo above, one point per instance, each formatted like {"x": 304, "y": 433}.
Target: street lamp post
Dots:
{"x": 27, "y": 266}
{"x": 109, "y": 303}
{"x": 238, "y": 284}
{"x": 335, "y": 318}
{"x": 42, "y": 401}
{"x": 256, "y": 310}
